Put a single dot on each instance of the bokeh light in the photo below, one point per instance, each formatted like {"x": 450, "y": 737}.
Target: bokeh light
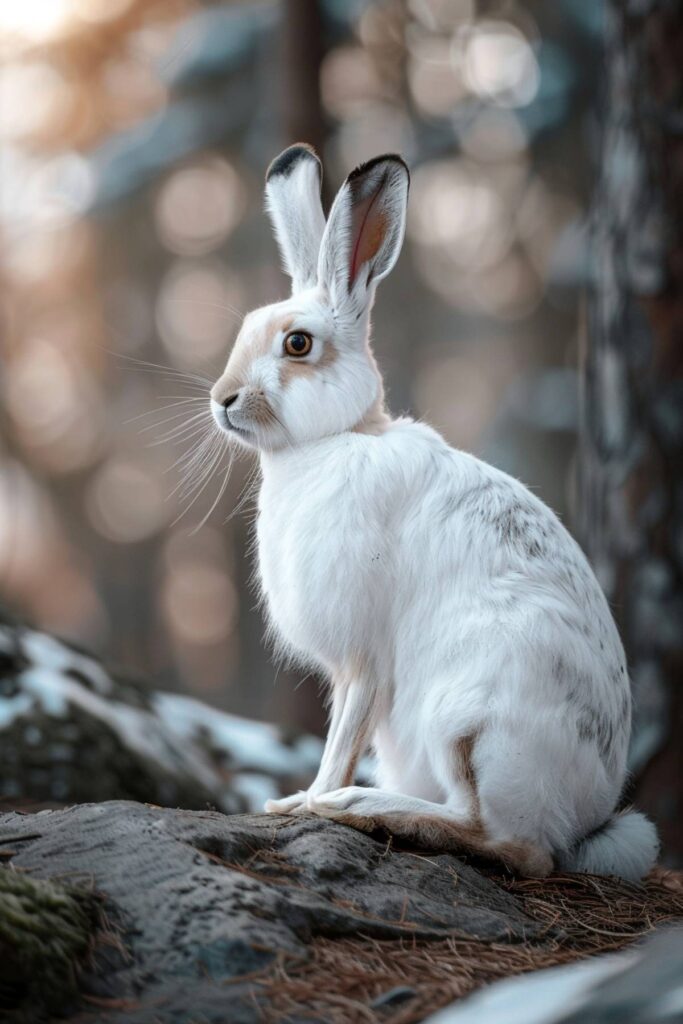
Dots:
{"x": 380, "y": 127}
{"x": 200, "y": 603}
{"x": 435, "y": 81}
{"x": 349, "y": 81}
{"x": 130, "y": 89}
{"x": 34, "y": 20}
{"x": 55, "y": 406}
{"x": 197, "y": 308}
{"x": 494, "y": 135}
{"x": 442, "y": 15}
{"x": 35, "y": 98}
{"x": 457, "y": 210}
{"x": 499, "y": 64}
{"x": 125, "y": 499}
{"x": 198, "y": 207}
{"x": 100, "y": 10}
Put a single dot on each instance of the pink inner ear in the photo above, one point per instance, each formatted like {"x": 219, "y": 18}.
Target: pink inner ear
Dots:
{"x": 368, "y": 228}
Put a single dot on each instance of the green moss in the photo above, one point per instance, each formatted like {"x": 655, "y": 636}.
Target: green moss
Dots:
{"x": 45, "y": 930}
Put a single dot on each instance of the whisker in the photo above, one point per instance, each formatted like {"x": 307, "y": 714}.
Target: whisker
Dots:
{"x": 190, "y": 434}
{"x": 284, "y": 429}
{"x": 208, "y": 472}
{"x": 192, "y": 460}
{"x": 199, "y": 466}
{"x": 149, "y": 365}
{"x": 203, "y": 386}
{"x": 183, "y": 415}
{"x": 182, "y": 400}
{"x": 212, "y": 305}
{"x": 186, "y": 460}
{"x": 218, "y": 497}
{"x": 246, "y": 494}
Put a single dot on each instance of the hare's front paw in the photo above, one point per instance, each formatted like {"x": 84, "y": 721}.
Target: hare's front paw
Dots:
{"x": 350, "y": 798}
{"x": 295, "y": 804}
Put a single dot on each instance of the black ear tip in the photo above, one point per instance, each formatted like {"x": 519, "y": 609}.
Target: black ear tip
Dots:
{"x": 286, "y": 162}
{"x": 390, "y": 158}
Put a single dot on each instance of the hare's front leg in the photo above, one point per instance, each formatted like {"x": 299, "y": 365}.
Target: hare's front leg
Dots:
{"x": 352, "y": 720}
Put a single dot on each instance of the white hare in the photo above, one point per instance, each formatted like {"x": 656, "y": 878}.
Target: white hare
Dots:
{"x": 462, "y": 630}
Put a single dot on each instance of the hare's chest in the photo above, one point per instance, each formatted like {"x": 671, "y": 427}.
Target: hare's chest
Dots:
{"x": 320, "y": 576}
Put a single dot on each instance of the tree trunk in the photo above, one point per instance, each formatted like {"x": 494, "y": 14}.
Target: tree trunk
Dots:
{"x": 632, "y": 425}
{"x": 301, "y": 55}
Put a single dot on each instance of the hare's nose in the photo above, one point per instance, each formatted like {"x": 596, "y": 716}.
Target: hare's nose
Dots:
{"x": 227, "y": 402}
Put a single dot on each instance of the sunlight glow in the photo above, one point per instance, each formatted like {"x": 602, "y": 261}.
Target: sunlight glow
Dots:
{"x": 100, "y": 10}
{"x": 34, "y": 21}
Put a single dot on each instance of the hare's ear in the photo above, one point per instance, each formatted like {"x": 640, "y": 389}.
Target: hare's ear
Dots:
{"x": 365, "y": 230}
{"x": 293, "y": 183}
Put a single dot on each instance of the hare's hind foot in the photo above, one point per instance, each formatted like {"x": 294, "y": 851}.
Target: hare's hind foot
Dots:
{"x": 430, "y": 824}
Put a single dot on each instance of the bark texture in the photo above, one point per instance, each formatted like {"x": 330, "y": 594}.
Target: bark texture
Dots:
{"x": 632, "y": 425}
{"x": 301, "y": 55}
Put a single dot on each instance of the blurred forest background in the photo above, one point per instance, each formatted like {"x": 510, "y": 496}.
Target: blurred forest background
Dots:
{"x": 135, "y": 136}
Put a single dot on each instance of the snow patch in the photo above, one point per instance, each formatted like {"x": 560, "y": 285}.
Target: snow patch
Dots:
{"x": 256, "y": 746}
{"x": 51, "y": 653}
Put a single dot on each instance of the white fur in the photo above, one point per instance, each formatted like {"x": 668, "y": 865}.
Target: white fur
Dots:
{"x": 444, "y": 601}
{"x": 293, "y": 202}
{"x": 626, "y": 846}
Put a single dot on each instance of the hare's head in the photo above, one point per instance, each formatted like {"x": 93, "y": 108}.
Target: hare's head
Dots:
{"x": 302, "y": 369}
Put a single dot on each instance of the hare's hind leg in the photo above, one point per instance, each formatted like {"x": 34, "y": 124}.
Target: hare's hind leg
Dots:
{"x": 430, "y": 824}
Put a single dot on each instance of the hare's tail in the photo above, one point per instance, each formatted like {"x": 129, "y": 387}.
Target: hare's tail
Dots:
{"x": 626, "y": 845}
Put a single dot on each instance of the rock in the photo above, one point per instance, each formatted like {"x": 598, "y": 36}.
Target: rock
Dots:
{"x": 201, "y": 900}
{"x": 641, "y": 986}
{"x": 45, "y": 929}
{"x": 71, "y": 731}
{"x": 246, "y": 918}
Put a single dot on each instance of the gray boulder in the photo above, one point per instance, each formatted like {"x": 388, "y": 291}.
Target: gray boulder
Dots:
{"x": 201, "y": 902}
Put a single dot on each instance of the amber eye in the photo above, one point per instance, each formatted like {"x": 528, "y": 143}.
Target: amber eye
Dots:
{"x": 298, "y": 344}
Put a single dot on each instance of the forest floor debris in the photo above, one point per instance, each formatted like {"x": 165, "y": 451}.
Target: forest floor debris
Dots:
{"x": 363, "y": 980}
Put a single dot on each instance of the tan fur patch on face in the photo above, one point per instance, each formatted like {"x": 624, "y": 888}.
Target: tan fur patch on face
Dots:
{"x": 258, "y": 344}
{"x": 293, "y": 368}
{"x": 250, "y": 345}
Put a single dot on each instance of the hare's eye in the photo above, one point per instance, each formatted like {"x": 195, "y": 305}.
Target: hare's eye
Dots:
{"x": 298, "y": 344}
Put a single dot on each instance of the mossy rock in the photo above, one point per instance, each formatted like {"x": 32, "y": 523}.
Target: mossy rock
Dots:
{"x": 46, "y": 930}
